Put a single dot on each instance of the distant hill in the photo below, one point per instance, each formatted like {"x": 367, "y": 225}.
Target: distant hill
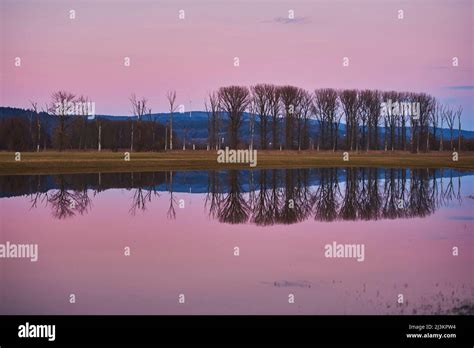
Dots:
{"x": 194, "y": 124}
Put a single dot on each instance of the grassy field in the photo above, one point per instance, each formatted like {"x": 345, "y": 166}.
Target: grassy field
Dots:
{"x": 51, "y": 162}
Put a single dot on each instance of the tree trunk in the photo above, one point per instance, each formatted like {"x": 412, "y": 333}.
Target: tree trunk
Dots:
{"x": 427, "y": 141}
{"x": 348, "y": 131}
{"x": 171, "y": 131}
{"x": 131, "y": 140}
{"x": 353, "y": 135}
{"x": 404, "y": 136}
{"x": 376, "y": 131}
{"x": 392, "y": 136}
{"x": 441, "y": 141}
{"x": 139, "y": 124}
{"x": 154, "y": 135}
{"x": 459, "y": 137}
{"x": 451, "y": 131}
{"x": 61, "y": 133}
{"x": 369, "y": 134}
{"x": 39, "y": 134}
{"x": 99, "y": 146}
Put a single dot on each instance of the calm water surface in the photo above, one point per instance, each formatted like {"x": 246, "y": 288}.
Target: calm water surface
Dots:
{"x": 182, "y": 229}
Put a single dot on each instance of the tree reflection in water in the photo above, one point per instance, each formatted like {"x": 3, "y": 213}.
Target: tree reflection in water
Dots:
{"x": 261, "y": 197}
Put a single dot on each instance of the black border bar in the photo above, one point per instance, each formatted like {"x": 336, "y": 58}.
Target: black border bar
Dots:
{"x": 195, "y": 330}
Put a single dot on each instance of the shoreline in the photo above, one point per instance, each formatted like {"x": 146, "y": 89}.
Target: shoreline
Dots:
{"x": 68, "y": 162}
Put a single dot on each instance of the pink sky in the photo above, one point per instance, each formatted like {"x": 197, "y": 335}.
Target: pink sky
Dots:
{"x": 85, "y": 55}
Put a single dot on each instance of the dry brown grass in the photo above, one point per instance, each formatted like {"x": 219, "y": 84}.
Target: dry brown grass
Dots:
{"x": 52, "y": 162}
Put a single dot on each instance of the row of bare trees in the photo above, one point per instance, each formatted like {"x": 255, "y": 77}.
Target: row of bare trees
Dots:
{"x": 290, "y": 117}
{"x": 278, "y": 117}
{"x": 143, "y": 132}
{"x": 67, "y": 122}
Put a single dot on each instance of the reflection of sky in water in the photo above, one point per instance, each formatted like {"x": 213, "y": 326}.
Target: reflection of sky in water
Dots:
{"x": 193, "y": 254}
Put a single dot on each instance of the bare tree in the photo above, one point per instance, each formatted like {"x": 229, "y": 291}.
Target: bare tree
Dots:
{"x": 403, "y": 118}
{"x": 171, "y": 96}
{"x": 414, "y": 124}
{"x": 34, "y": 105}
{"x": 304, "y": 113}
{"x": 83, "y": 112}
{"x": 458, "y": 114}
{"x": 366, "y": 104}
{"x": 369, "y": 102}
{"x": 139, "y": 107}
{"x": 99, "y": 134}
{"x": 365, "y": 99}
{"x": 212, "y": 109}
{"x": 262, "y": 106}
{"x": 450, "y": 117}
{"x": 351, "y": 104}
{"x": 153, "y": 122}
{"x": 46, "y": 123}
{"x": 320, "y": 117}
{"x": 290, "y": 98}
{"x": 62, "y": 105}
{"x": 390, "y": 118}
{"x": 273, "y": 97}
{"x": 80, "y": 121}
{"x": 166, "y": 136}
{"x": 252, "y": 109}
{"x": 442, "y": 116}
{"x": 332, "y": 107}
{"x": 337, "y": 122}
{"x": 426, "y": 103}
{"x": 436, "y": 118}
{"x": 234, "y": 100}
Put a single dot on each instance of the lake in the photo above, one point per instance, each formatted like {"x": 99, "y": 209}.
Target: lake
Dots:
{"x": 240, "y": 242}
